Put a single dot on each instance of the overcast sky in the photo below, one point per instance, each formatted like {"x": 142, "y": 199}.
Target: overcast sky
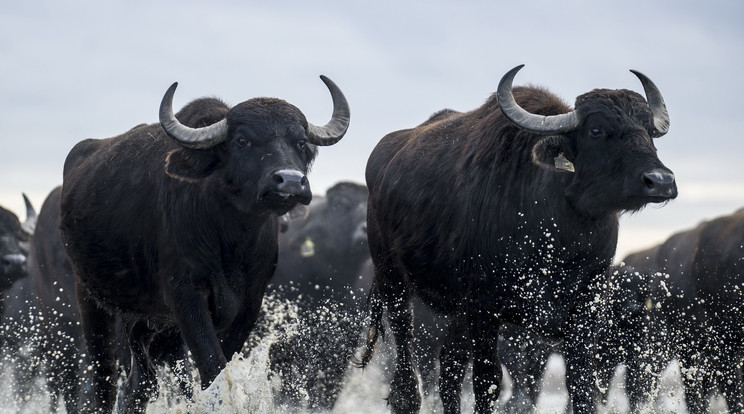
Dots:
{"x": 80, "y": 69}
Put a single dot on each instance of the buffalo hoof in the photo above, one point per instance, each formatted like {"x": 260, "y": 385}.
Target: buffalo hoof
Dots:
{"x": 404, "y": 397}
{"x": 519, "y": 405}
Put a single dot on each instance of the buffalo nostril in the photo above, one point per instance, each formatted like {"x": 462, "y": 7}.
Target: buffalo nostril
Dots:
{"x": 290, "y": 181}
{"x": 659, "y": 182}
{"x": 656, "y": 177}
{"x": 283, "y": 177}
{"x": 13, "y": 260}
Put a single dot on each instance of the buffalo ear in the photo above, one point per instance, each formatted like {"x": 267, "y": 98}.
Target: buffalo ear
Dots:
{"x": 190, "y": 165}
{"x": 553, "y": 153}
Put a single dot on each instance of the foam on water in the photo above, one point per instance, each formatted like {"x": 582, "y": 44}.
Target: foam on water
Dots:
{"x": 242, "y": 387}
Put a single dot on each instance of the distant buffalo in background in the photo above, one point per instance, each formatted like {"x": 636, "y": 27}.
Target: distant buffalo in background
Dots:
{"x": 697, "y": 302}
{"x": 41, "y": 323}
{"x": 15, "y": 243}
{"x": 623, "y": 336}
{"x": 319, "y": 273}
{"x": 43, "y": 315}
{"x": 14, "y": 239}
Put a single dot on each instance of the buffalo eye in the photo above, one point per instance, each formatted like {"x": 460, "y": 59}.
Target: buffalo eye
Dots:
{"x": 301, "y": 144}
{"x": 241, "y": 141}
{"x": 596, "y": 131}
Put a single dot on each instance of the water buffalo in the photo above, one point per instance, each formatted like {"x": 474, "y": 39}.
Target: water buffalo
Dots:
{"x": 622, "y": 337}
{"x": 507, "y": 213}
{"x": 320, "y": 262}
{"x": 14, "y": 247}
{"x": 173, "y": 225}
{"x": 42, "y": 323}
{"x": 14, "y": 237}
{"x": 58, "y": 339}
{"x": 697, "y": 303}
{"x": 40, "y": 320}
{"x": 626, "y": 335}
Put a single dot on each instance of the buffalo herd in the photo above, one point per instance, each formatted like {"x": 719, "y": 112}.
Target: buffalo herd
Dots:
{"x": 483, "y": 242}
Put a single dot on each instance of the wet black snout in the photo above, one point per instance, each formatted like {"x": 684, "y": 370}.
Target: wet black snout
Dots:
{"x": 660, "y": 183}
{"x": 360, "y": 234}
{"x": 13, "y": 263}
{"x": 291, "y": 183}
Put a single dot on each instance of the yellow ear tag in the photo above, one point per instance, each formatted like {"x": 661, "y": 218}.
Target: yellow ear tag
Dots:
{"x": 649, "y": 304}
{"x": 562, "y": 163}
{"x": 308, "y": 248}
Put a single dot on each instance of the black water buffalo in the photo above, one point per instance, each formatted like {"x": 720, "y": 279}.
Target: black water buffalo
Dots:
{"x": 624, "y": 334}
{"x": 14, "y": 246}
{"x": 14, "y": 237}
{"x": 174, "y": 225}
{"x": 507, "y": 213}
{"x": 320, "y": 262}
{"x": 43, "y": 311}
{"x": 697, "y": 301}
{"x": 623, "y": 337}
{"x": 42, "y": 323}
{"x": 60, "y": 342}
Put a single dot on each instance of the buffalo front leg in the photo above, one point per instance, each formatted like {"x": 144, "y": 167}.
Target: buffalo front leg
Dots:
{"x": 579, "y": 350}
{"x": 693, "y": 371}
{"x": 454, "y": 357}
{"x": 640, "y": 379}
{"x": 731, "y": 381}
{"x": 168, "y": 347}
{"x": 239, "y": 331}
{"x": 524, "y": 355}
{"x": 483, "y": 327}
{"x": 99, "y": 335}
{"x": 190, "y": 309}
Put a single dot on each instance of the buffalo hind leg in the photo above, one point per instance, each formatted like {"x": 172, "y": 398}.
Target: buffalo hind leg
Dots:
{"x": 453, "y": 362}
{"x": 100, "y": 338}
{"x": 404, "y": 396}
{"x": 141, "y": 384}
{"x": 64, "y": 376}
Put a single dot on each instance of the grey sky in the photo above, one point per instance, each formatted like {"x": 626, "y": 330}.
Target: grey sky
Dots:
{"x": 77, "y": 69}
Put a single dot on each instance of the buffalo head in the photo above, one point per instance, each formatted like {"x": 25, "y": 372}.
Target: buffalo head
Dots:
{"x": 606, "y": 142}
{"x": 14, "y": 244}
{"x": 259, "y": 153}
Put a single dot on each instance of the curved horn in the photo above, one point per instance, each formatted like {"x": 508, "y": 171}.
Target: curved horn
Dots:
{"x": 335, "y": 129}
{"x": 29, "y": 225}
{"x": 656, "y": 102}
{"x": 197, "y": 138}
{"x": 536, "y": 123}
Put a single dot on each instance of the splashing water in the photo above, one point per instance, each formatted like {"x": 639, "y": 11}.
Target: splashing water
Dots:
{"x": 247, "y": 384}
{"x": 242, "y": 387}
